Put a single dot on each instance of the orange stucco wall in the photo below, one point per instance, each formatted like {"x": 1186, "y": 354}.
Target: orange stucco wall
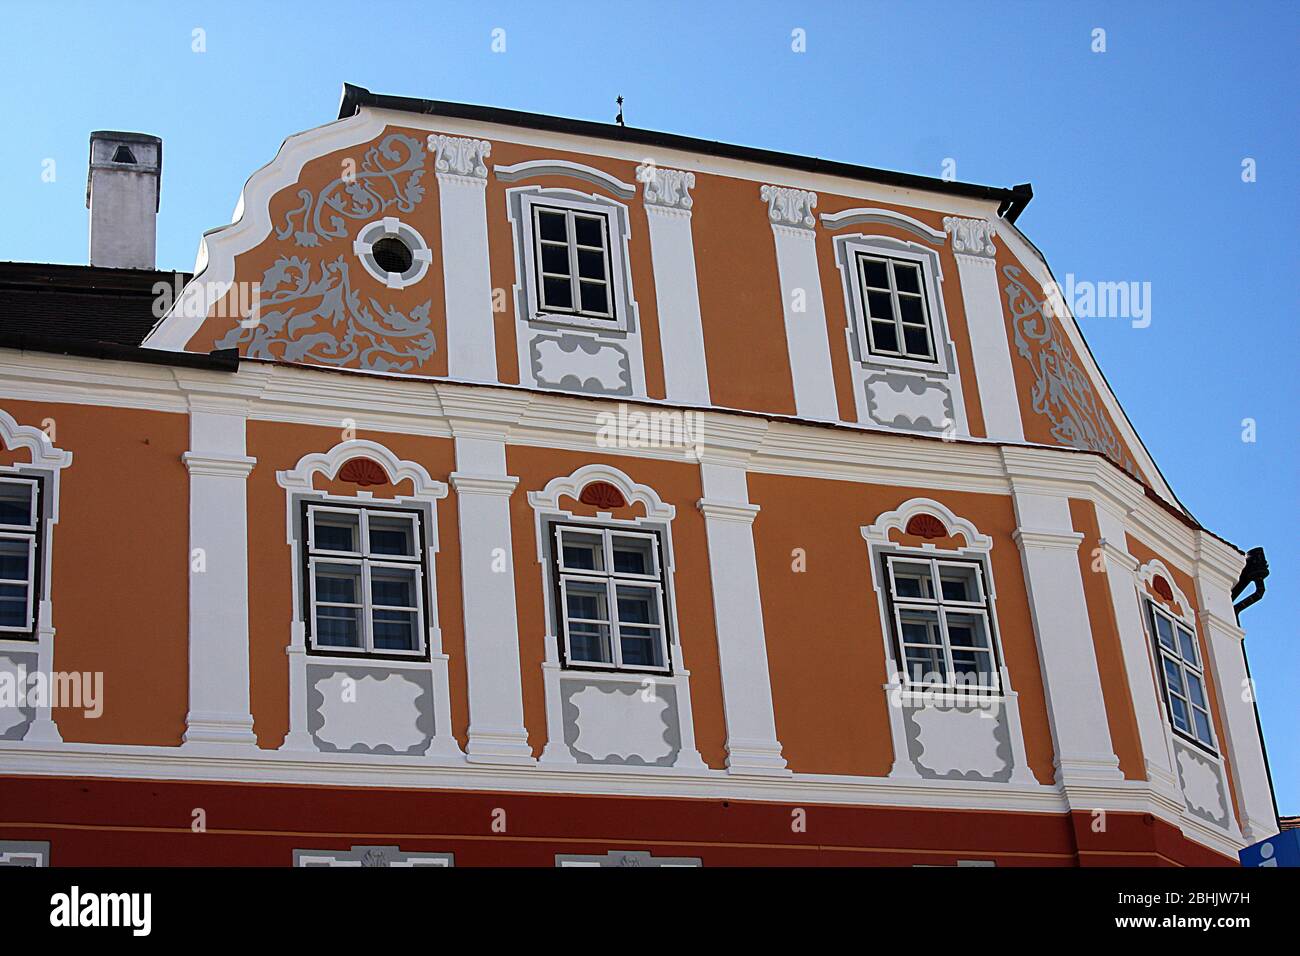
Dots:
{"x": 824, "y": 633}
{"x": 120, "y": 585}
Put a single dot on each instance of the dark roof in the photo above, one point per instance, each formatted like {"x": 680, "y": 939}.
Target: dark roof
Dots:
{"x": 1011, "y": 202}
{"x": 1288, "y": 823}
{"x": 91, "y": 311}
{"x": 89, "y": 303}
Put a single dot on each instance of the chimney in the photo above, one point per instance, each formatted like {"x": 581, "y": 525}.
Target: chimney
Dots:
{"x": 122, "y": 194}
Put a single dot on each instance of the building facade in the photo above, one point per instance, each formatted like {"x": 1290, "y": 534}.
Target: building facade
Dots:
{"x": 512, "y": 490}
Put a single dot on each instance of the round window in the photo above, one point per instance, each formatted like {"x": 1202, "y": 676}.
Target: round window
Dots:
{"x": 393, "y": 252}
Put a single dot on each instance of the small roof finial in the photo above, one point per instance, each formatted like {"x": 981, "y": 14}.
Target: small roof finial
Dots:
{"x": 619, "y": 118}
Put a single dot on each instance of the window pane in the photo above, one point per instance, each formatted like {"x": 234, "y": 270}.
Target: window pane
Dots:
{"x": 338, "y": 626}
{"x": 920, "y": 627}
{"x": 1202, "y": 721}
{"x": 587, "y": 599}
{"x": 959, "y": 583}
{"x": 634, "y": 555}
{"x": 555, "y": 259}
{"x": 582, "y": 551}
{"x": 1178, "y": 712}
{"x": 13, "y": 613}
{"x": 874, "y": 273}
{"x": 14, "y": 559}
{"x": 912, "y": 580}
{"x": 910, "y": 309}
{"x": 589, "y": 643}
{"x": 884, "y": 337}
{"x": 1165, "y": 631}
{"x": 557, "y": 294}
{"x": 587, "y": 231}
{"x": 973, "y": 668}
{"x": 393, "y": 535}
{"x": 1174, "y": 678}
{"x": 925, "y": 665}
{"x": 917, "y": 340}
{"x": 338, "y": 583}
{"x": 336, "y": 532}
{"x": 1187, "y": 644}
{"x": 637, "y": 605}
{"x": 881, "y": 305}
{"x": 907, "y": 277}
{"x": 1195, "y": 691}
{"x": 551, "y": 226}
{"x": 591, "y": 264}
{"x": 393, "y": 586}
{"x": 967, "y": 630}
{"x": 595, "y": 297}
{"x": 395, "y": 630}
{"x": 16, "y": 503}
{"x": 640, "y": 646}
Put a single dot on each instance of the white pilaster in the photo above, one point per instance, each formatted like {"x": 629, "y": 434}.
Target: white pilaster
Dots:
{"x": 672, "y": 251}
{"x": 219, "y": 714}
{"x": 1143, "y": 688}
{"x": 972, "y": 243}
{"x": 1049, "y": 550}
{"x": 496, "y": 709}
{"x": 794, "y": 232}
{"x": 1217, "y": 567}
{"x": 467, "y": 278}
{"x": 752, "y": 744}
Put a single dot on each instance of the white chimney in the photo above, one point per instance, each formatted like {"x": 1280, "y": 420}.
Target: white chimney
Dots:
{"x": 122, "y": 194}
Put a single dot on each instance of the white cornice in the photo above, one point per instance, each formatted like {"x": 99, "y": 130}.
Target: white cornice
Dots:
{"x": 218, "y": 466}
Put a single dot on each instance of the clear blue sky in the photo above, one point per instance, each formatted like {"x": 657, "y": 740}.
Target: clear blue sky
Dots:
{"x": 1135, "y": 156}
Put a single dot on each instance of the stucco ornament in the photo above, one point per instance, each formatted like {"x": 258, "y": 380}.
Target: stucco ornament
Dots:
{"x": 323, "y": 320}
{"x": 381, "y": 712}
{"x": 1062, "y": 391}
{"x": 789, "y": 207}
{"x": 387, "y": 177}
{"x": 613, "y": 723}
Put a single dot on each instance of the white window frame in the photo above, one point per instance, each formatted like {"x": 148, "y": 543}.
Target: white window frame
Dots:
{"x": 572, "y": 247}
{"x": 31, "y": 534}
{"x": 611, "y": 579}
{"x": 366, "y": 561}
{"x": 622, "y": 308}
{"x": 1165, "y": 656}
{"x": 941, "y": 606}
{"x": 860, "y": 256}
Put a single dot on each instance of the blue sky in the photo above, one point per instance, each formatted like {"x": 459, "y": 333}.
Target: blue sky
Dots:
{"x": 1135, "y": 155}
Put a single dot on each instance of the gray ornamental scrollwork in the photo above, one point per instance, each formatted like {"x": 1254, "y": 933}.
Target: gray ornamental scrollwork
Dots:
{"x": 324, "y": 320}
{"x": 388, "y": 176}
{"x": 1062, "y": 391}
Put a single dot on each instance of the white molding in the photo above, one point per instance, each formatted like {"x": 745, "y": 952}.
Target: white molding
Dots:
{"x": 882, "y": 217}
{"x": 536, "y": 168}
{"x": 467, "y": 271}
{"x": 972, "y": 237}
{"x": 456, "y": 156}
{"x": 301, "y": 481}
{"x": 656, "y": 511}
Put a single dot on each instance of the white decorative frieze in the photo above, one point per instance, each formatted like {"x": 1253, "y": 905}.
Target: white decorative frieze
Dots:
{"x": 789, "y": 207}
{"x": 460, "y": 156}
{"x": 669, "y": 188}
{"x": 972, "y": 237}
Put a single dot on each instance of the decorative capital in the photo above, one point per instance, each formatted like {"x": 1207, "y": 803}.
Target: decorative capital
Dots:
{"x": 666, "y": 187}
{"x": 217, "y": 465}
{"x": 789, "y": 207}
{"x": 459, "y": 156}
{"x": 972, "y": 237}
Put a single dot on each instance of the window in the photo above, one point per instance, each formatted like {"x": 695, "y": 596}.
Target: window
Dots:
{"x": 365, "y": 580}
{"x": 19, "y": 542}
{"x": 897, "y": 318}
{"x": 1182, "y": 677}
{"x": 611, "y": 598}
{"x": 573, "y": 262}
{"x": 941, "y": 622}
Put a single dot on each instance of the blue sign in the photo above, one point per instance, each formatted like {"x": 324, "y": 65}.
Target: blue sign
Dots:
{"x": 1280, "y": 850}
